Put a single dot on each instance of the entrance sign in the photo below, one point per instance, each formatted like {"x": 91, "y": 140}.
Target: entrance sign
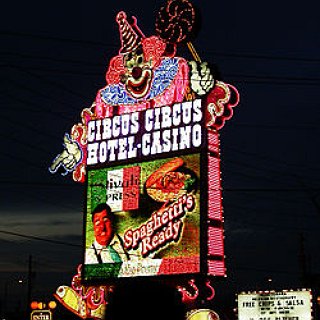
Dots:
{"x": 41, "y": 315}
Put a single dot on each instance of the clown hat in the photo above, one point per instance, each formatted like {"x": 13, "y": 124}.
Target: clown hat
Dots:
{"x": 130, "y": 34}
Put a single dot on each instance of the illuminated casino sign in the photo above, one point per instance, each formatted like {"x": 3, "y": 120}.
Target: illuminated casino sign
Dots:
{"x": 148, "y": 151}
{"x": 138, "y": 135}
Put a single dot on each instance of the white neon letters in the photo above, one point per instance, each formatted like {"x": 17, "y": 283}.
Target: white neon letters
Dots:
{"x": 145, "y": 133}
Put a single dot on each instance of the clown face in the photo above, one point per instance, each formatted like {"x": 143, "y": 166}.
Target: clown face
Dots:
{"x": 139, "y": 74}
{"x": 103, "y": 230}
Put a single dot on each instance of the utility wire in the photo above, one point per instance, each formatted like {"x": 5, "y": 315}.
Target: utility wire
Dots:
{"x": 40, "y": 184}
{"x": 237, "y": 78}
{"x": 53, "y": 38}
{"x": 108, "y": 45}
{"x": 52, "y": 70}
{"x": 24, "y": 144}
{"x": 47, "y": 58}
{"x": 269, "y": 158}
{"x": 262, "y": 57}
{"x": 304, "y": 127}
{"x": 38, "y": 94}
{"x": 269, "y": 189}
{"x": 41, "y": 78}
{"x": 39, "y": 238}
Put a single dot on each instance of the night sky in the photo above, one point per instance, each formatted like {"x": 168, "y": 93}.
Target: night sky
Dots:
{"x": 54, "y": 56}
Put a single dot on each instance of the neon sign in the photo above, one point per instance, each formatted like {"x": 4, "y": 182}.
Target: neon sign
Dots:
{"x": 84, "y": 301}
{"x": 166, "y": 129}
{"x": 148, "y": 151}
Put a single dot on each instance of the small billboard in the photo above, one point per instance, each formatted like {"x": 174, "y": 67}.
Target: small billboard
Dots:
{"x": 283, "y": 305}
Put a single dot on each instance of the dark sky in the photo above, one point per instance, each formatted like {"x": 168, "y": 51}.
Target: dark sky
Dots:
{"x": 53, "y": 61}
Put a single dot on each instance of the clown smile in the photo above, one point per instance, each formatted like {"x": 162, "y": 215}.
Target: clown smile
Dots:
{"x": 138, "y": 88}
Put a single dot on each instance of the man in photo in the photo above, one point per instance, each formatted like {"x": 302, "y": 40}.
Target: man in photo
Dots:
{"x": 108, "y": 245}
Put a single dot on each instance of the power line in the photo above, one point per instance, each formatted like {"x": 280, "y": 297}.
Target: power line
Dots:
{"x": 262, "y": 57}
{"x": 41, "y": 94}
{"x": 268, "y": 158}
{"x": 269, "y": 189}
{"x": 39, "y": 239}
{"x": 53, "y": 83}
{"x": 31, "y": 128}
{"x": 51, "y": 38}
{"x": 268, "y": 271}
{"x": 253, "y": 167}
{"x": 284, "y": 226}
{"x": 108, "y": 45}
{"x": 252, "y": 82}
{"x": 310, "y": 126}
{"x": 52, "y": 70}
{"x": 40, "y": 184}
{"x": 266, "y": 79}
{"x": 20, "y": 142}
{"x": 31, "y": 194}
{"x": 20, "y": 159}
{"x": 284, "y": 212}
{"x": 40, "y": 57}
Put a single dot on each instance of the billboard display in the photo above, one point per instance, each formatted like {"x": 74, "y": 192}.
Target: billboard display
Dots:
{"x": 156, "y": 218}
{"x": 283, "y": 305}
{"x": 155, "y": 208}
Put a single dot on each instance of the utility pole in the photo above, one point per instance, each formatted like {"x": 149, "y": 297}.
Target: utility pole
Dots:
{"x": 29, "y": 292}
{"x": 303, "y": 261}
{"x": 5, "y": 299}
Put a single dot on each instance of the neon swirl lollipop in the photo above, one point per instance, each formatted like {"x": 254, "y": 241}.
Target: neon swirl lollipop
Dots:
{"x": 175, "y": 23}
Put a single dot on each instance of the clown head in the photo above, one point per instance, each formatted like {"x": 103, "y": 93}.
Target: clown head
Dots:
{"x": 144, "y": 74}
{"x": 138, "y": 77}
{"x": 138, "y": 73}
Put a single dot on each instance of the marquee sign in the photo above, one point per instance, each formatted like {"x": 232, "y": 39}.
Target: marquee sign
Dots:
{"x": 148, "y": 151}
{"x": 283, "y": 305}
